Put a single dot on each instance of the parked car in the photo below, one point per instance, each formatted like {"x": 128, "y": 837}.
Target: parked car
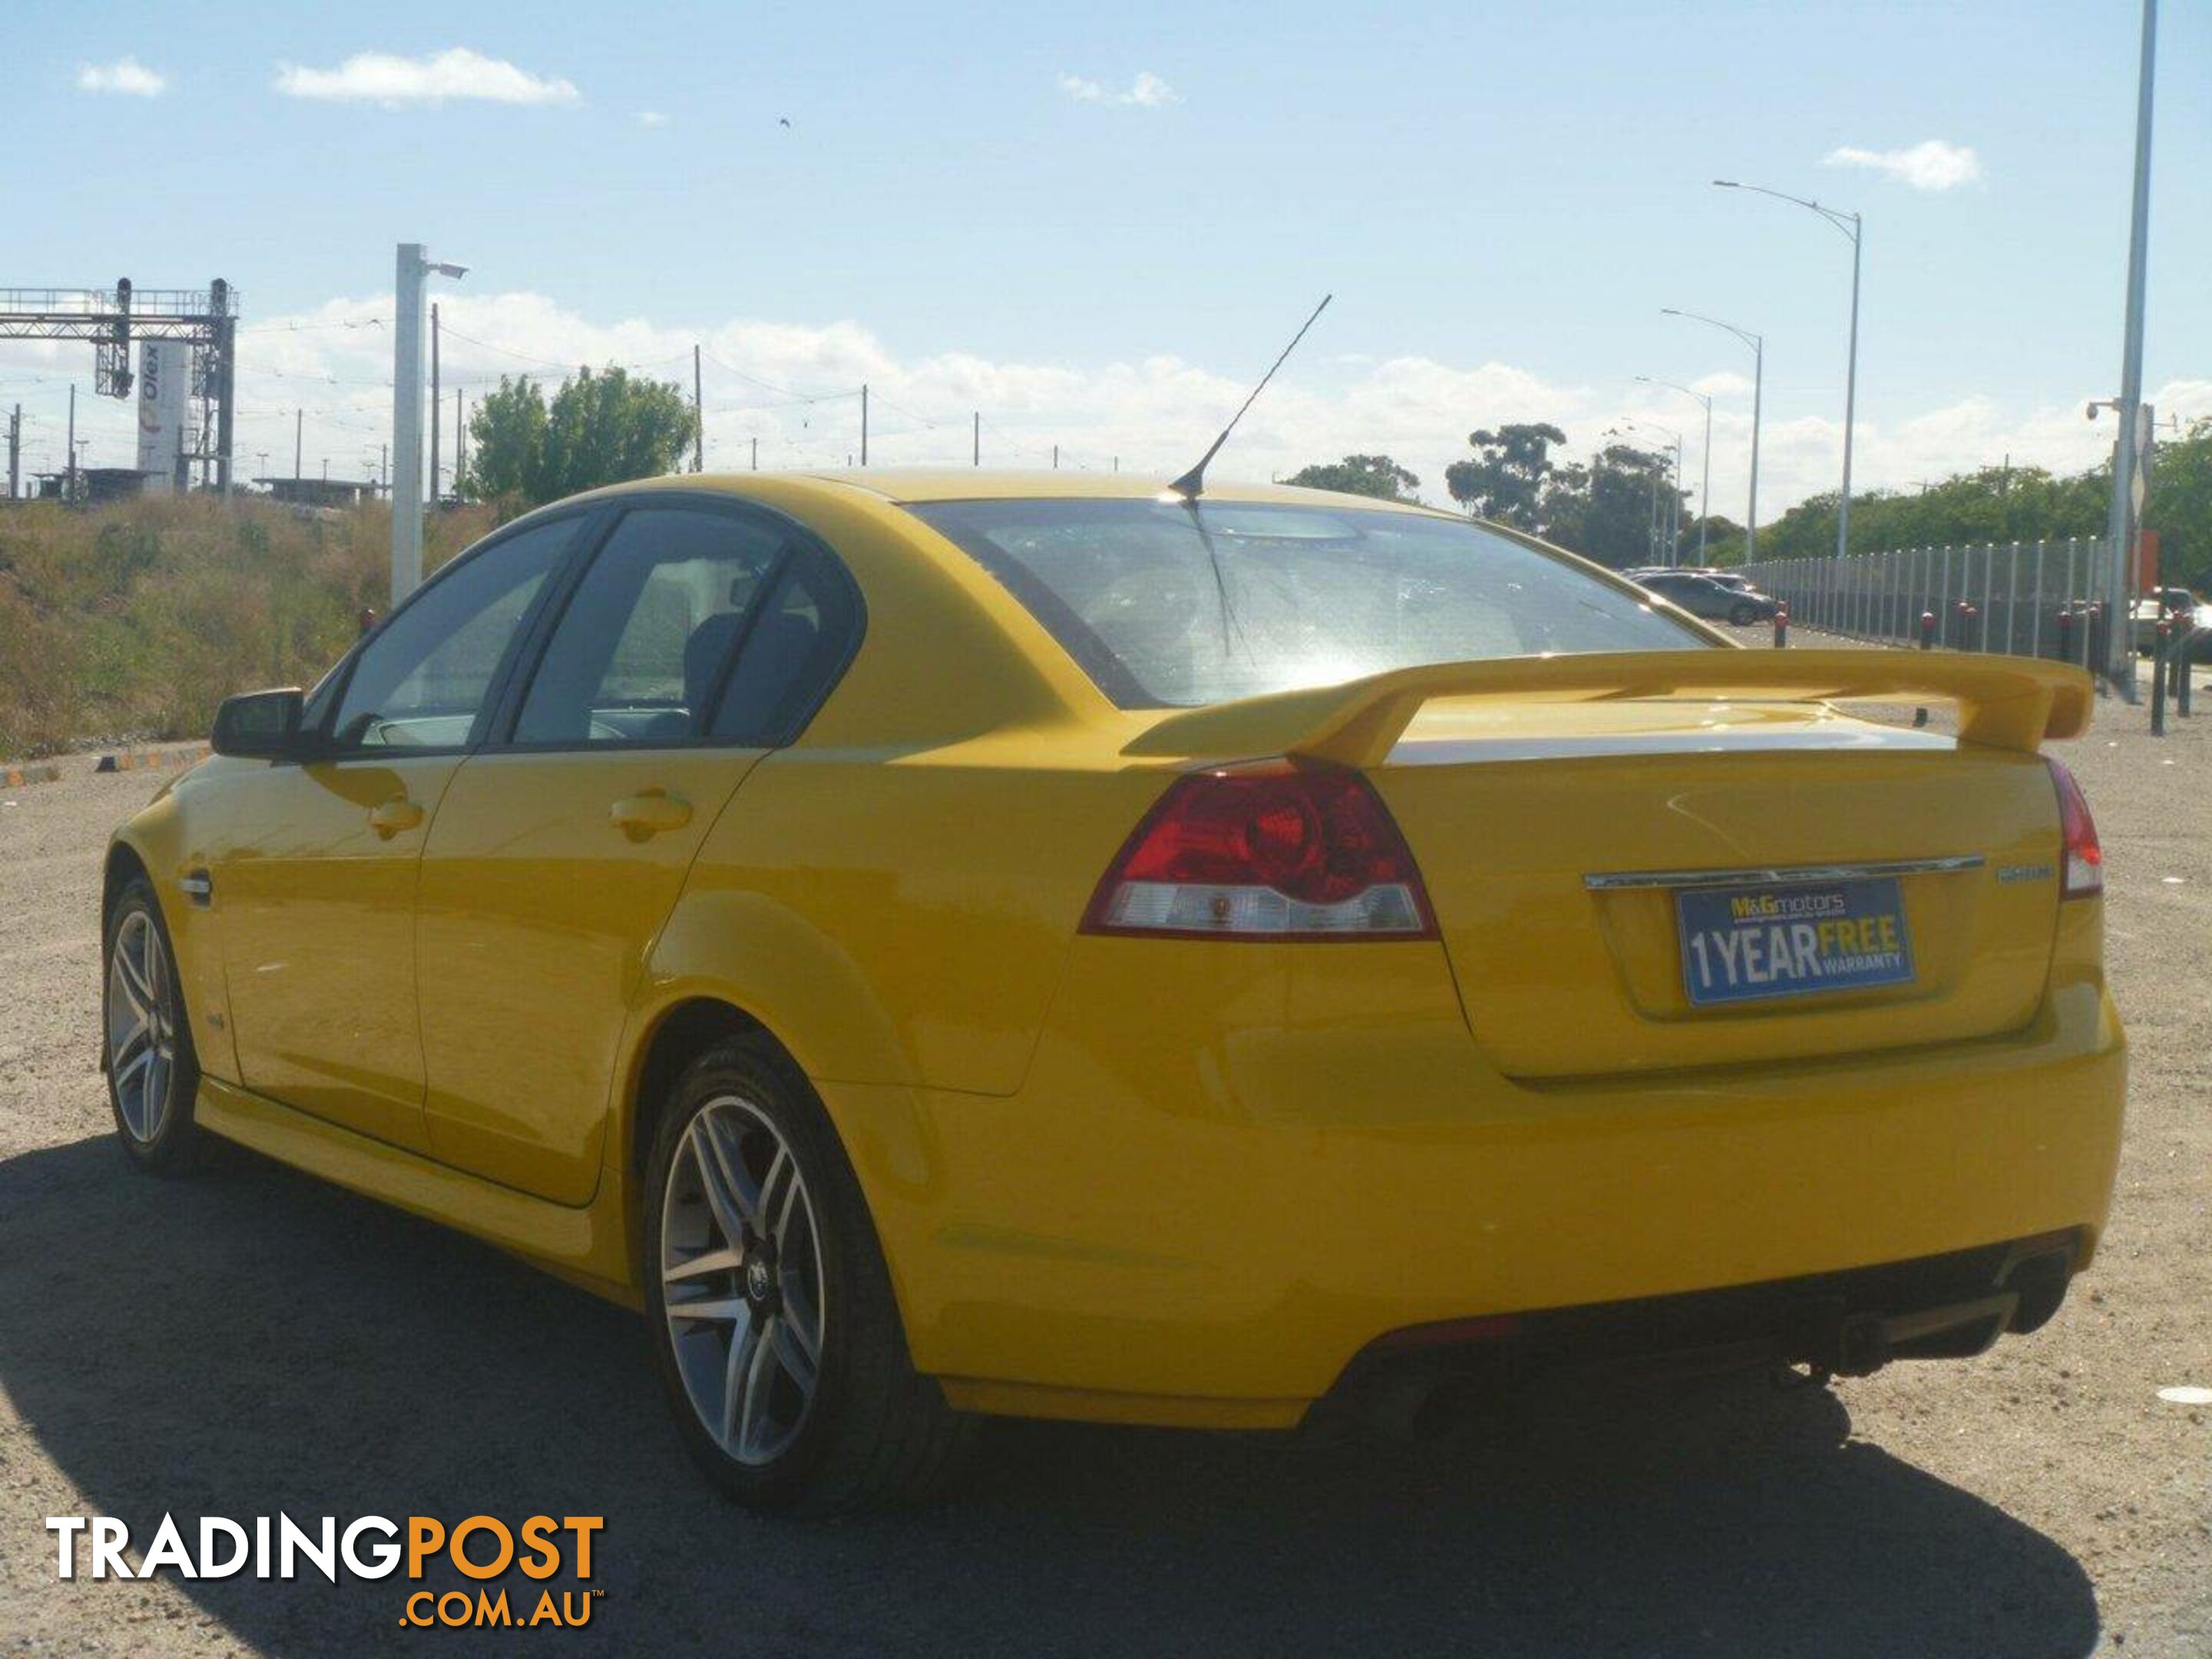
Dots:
{"x": 2176, "y": 606}
{"x": 950, "y": 943}
{"x": 1727, "y": 578}
{"x": 1711, "y": 598}
{"x": 1734, "y": 579}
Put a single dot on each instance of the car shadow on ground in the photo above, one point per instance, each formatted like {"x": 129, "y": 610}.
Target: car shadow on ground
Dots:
{"x": 251, "y": 1341}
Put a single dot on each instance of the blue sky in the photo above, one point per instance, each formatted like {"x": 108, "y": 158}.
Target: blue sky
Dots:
{"x": 985, "y": 207}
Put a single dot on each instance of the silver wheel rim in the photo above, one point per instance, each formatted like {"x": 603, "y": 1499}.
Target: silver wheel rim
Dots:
{"x": 142, "y": 1028}
{"x": 741, "y": 1281}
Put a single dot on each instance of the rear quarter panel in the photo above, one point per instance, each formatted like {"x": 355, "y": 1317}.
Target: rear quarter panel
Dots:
{"x": 898, "y": 919}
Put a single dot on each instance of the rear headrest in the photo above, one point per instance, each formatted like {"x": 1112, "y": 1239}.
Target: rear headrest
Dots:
{"x": 703, "y": 654}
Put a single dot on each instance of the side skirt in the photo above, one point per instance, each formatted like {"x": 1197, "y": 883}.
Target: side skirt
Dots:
{"x": 584, "y": 1247}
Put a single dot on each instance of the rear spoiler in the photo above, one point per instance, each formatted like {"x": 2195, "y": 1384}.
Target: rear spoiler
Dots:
{"x": 2005, "y": 703}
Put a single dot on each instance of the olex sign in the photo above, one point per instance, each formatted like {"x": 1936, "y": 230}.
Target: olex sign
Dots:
{"x": 165, "y": 376}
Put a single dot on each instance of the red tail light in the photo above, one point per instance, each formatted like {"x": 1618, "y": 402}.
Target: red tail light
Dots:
{"x": 2083, "y": 875}
{"x": 1271, "y": 850}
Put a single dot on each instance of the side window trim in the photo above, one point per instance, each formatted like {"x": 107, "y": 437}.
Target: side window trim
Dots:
{"x": 798, "y": 541}
{"x": 327, "y": 748}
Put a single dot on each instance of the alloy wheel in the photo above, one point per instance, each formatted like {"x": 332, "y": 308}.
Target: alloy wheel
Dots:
{"x": 741, "y": 1281}
{"x": 141, "y": 1026}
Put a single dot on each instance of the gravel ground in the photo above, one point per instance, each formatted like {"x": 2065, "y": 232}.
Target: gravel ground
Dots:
{"x": 252, "y": 1341}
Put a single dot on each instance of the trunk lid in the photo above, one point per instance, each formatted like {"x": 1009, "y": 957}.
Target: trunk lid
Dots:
{"x": 1557, "y": 844}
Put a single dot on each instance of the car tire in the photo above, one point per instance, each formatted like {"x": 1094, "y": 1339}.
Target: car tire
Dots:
{"x": 1743, "y": 615}
{"x": 153, "y": 1071}
{"x": 744, "y": 1146}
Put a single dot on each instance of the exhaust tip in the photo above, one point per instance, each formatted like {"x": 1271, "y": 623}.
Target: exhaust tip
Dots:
{"x": 1414, "y": 1404}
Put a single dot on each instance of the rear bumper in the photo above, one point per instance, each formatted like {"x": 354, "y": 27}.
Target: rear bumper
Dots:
{"x": 1211, "y": 1226}
{"x": 1849, "y": 1323}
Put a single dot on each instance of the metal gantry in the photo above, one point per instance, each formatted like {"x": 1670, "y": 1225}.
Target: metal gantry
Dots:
{"x": 110, "y": 318}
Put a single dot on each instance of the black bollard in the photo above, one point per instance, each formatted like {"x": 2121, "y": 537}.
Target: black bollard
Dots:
{"x": 2158, "y": 680}
{"x": 1781, "y": 626}
{"x": 1926, "y": 630}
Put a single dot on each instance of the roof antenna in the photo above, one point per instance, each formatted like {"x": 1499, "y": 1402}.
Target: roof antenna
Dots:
{"x": 1192, "y": 484}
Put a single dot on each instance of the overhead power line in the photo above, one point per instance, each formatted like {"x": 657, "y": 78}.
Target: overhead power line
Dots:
{"x": 792, "y": 392}
{"x": 308, "y": 328}
{"x": 452, "y": 333}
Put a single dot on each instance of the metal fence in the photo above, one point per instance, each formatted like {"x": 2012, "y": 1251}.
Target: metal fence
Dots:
{"x": 2025, "y": 598}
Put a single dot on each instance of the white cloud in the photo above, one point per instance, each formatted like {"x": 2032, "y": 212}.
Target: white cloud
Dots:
{"x": 1933, "y": 165}
{"x": 651, "y": 118}
{"x": 1724, "y": 382}
{"x": 381, "y": 77}
{"x": 1147, "y": 91}
{"x": 126, "y": 76}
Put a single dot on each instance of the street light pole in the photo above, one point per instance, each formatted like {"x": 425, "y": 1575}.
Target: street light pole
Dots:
{"x": 414, "y": 270}
{"x": 1851, "y": 226}
{"x": 1674, "y": 494}
{"x": 1758, "y": 344}
{"x": 1706, "y": 489}
{"x": 1850, "y": 394}
{"x": 1675, "y": 509}
{"x": 2119, "y": 640}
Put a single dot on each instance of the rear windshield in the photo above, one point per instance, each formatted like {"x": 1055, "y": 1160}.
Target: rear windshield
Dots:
{"x": 1166, "y": 604}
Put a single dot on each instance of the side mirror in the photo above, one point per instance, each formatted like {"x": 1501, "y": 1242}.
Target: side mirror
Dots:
{"x": 259, "y": 725}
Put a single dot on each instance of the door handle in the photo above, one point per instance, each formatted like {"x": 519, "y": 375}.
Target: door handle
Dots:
{"x": 397, "y": 814}
{"x": 650, "y": 812}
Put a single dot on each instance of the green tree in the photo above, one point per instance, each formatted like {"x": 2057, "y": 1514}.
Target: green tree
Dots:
{"x": 600, "y": 429}
{"x": 2179, "y": 506}
{"x": 1359, "y": 475}
{"x": 1723, "y": 540}
{"x": 1991, "y": 504}
{"x": 1604, "y": 509}
{"x": 1505, "y": 482}
{"x": 507, "y": 443}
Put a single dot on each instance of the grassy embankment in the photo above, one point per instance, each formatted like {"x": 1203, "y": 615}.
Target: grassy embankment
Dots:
{"x": 133, "y": 622}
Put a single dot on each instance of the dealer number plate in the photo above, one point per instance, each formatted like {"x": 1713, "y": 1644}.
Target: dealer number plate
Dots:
{"x": 1746, "y": 944}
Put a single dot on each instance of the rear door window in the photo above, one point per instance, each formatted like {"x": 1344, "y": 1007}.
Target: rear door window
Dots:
{"x": 642, "y": 647}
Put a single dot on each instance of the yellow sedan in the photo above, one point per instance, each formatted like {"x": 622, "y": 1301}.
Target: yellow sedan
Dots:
{"x": 956, "y": 943}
